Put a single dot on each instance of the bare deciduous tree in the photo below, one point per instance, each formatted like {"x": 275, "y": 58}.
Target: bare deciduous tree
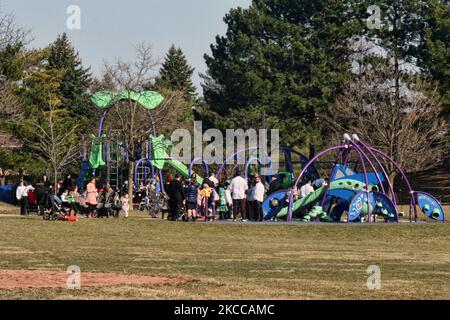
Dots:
{"x": 128, "y": 117}
{"x": 406, "y": 123}
{"x": 56, "y": 140}
{"x": 10, "y": 33}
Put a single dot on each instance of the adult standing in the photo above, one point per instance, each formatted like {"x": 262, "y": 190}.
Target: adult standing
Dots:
{"x": 275, "y": 185}
{"x": 43, "y": 193}
{"x": 176, "y": 197}
{"x": 257, "y": 198}
{"x": 91, "y": 199}
{"x": 22, "y": 196}
{"x": 68, "y": 182}
{"x": 78, "y": 201}
{"x": 239, "y": 188}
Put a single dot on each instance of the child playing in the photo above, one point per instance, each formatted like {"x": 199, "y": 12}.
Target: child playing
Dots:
{"x": 66, "y": 201}
{"x": 208, "y": 198}
{"x": 125, "y": 205}
{"x": 191, "y": 200}
{"x": 222, "y": 207}
{"x": 229, "y": 214}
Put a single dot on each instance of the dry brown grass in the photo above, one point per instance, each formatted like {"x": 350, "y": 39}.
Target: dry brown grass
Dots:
{"x": 232, "y": 261}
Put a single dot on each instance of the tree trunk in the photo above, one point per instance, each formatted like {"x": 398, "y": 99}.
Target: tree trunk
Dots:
{"x": 130, "y": 181}
{"x": 55, "y": 177}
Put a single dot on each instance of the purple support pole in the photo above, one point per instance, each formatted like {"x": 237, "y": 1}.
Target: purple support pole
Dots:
{"x": 294, "y": 187}
{"x": 161, "y": 183}
{"x": 314, "y": 160}
{"x": 193, "y": 162}
{"x": 150, "y": 150}
{"x": 102, "y": 122}
{"x": 366, "y": 179}
{"x": 231, "y": 158}
{"x": 100, "y": 129}
{"x": 207, "y": 173}
{"x": 391, "y": 188}
{"x": 333, "y": 169}
{"x": 206, "y": 208}
{"x": 136, "y": 168}
{"x": 371, "y": 165}
{"x": 291, "y": 204}
{"x": 402, "y": 173}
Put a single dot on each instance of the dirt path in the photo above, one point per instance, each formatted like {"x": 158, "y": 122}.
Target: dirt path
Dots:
{"x": 36, "y": 279}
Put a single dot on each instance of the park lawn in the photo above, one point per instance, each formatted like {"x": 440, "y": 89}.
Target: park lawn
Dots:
{"x": 6, "y": 208}
{"x": 232, "y": 261}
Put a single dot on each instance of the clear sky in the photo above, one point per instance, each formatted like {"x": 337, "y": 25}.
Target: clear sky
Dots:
{"x": 110, "y": 28}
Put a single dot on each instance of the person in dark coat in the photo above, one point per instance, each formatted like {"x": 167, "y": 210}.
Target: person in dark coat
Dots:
{"x": 176, "y": 197}
{"x": 67, "y": 183}
{"x": 275, "y": 185}
{"x": 43, "y": 193}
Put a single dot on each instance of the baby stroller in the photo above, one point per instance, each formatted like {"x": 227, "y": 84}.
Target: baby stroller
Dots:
{"x": 162, "y": 204}
{"x": 32, "y": 202}
{"x": 139, "y": 199}
{"x": 57, "y": 211}
{"x": 145, "y": 201}
{"x": 115, "y": 205}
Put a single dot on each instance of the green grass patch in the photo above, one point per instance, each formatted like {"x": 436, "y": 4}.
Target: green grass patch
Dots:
{"x": 233, "y": 261}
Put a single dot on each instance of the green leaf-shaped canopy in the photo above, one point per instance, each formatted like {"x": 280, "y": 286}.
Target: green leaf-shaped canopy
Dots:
{"x": 106, "y": 99}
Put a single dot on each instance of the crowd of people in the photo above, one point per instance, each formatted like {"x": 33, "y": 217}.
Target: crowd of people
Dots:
{"x": 236, "y": 199}
{"x": 231, "y": 200}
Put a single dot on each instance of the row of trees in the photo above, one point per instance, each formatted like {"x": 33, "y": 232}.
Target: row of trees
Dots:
{"x": 313, "y": 69}
{"x": 317, "y": 69}
{"x": 45, "y": 105}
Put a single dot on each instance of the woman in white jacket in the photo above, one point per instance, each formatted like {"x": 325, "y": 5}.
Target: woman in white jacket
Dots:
{"x": 22, "y": 196}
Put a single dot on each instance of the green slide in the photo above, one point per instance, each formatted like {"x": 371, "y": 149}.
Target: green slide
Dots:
{"x": 160, "y": 158}
{"x": 183, "y": 170}
{"x": 344, "y": 184}
{"x": 96, "y": 156}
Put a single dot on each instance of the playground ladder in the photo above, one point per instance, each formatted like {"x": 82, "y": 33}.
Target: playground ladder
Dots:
{"x": 114, "y": 165}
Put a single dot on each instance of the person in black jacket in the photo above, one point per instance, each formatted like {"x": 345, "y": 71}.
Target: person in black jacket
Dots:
{"x": 43, "y": 193}
{"x": 275, "y": 185}
{"x": 67, "y": 183}
{"x": 176, "y": 197}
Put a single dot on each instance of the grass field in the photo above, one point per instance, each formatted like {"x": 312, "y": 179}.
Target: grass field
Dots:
{"x": 230, "y": 261}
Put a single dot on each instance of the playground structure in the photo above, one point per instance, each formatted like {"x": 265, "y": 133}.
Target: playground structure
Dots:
{"x": 358, "y": 181}
{"x": 363, "y": 195}
{"x": 109, "y": 153}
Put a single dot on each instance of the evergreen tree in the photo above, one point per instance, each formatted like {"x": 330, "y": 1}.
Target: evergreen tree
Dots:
{"x": 285, "y": 57}
{"x": 176, "y": 73}
{"x": 434, "y": 52}
{"x": 76, "y": 79}
{"x": 12, "y": 62}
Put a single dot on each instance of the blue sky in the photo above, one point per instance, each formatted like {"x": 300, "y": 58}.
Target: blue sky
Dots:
{"x": 111, "y": 28}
